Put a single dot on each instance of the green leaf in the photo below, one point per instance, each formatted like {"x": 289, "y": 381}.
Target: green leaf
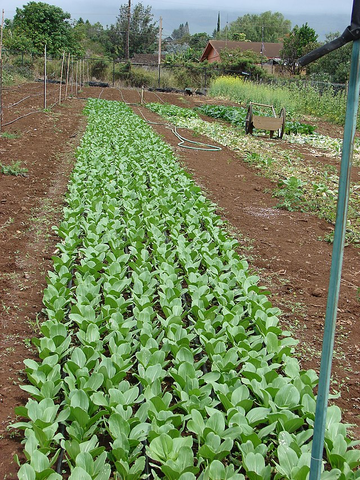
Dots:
{"x": 79, "y": 473}
{"x": 216, "y": 423}
{"x": 293, "y": 424}
{"x": 333, "y": 415}
{"x": 160, "y": 448}
{"x": 257, "y": 415}
{"x": 118, "y": 426}
{"x": 217, "y": 470}
{"x": 288, "y": 396}
{"x": 196, "y": 424}
{"x": 26, "y": 472}
{"x": 78, "y": 398}
{"x": 254, "y": 462}
{"x": 39, "y": 461}
{"x": 288, "y": 459}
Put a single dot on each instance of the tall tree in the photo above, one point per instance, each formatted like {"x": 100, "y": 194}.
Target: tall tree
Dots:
{"x": 181, "y": 32}
{"x": 299, "y": 42}
{"x": 266, "y": 27}
{"x": 142, "y": 33}
{"x": 91, "y": 37}
{"x": 37, "y": 24}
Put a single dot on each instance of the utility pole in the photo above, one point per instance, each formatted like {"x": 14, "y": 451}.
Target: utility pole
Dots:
{"x": 159, "y": 55}
{"x": 127, "y": 36}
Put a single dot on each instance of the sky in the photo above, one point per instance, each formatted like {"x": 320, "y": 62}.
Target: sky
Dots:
{"x": 201, "y": 14}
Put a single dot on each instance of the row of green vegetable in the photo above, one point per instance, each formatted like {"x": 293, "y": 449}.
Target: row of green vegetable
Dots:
{"x": 161, "y": 357}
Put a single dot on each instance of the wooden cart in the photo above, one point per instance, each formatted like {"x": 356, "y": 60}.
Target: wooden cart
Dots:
{"x": 272, "y": 124}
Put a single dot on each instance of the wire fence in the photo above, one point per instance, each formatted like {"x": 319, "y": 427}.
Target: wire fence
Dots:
{"x": 66, "y": 78}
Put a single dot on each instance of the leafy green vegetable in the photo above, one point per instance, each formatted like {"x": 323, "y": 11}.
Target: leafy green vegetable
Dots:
{"x": 161, "y": 355}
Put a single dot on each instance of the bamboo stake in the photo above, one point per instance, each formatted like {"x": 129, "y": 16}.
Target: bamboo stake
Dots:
{"x": 61, "y": 76}
{"x": 67, "y": 77}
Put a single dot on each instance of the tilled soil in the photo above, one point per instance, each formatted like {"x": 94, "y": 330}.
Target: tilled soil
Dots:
{"x": 282, "y": 247}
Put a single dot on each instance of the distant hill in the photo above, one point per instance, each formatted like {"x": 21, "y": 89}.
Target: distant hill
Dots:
{"x": 205, "y": 20}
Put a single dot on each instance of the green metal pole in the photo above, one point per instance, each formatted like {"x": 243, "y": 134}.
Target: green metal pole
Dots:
{"x": 336, "y": 265}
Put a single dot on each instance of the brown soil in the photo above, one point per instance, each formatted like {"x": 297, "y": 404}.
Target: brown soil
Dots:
{"x": 282, "y": 247}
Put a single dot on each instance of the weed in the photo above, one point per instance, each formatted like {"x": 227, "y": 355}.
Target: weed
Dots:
{"x": 35, "y": 324}
{"x": 8, "y": 222}
{"x": 9, "y": 136}
{"x": 13, "y": 169}
{"x": 291, "y": 193}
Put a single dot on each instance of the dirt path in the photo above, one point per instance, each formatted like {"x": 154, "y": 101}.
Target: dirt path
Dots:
{"x": 282, "y": 247}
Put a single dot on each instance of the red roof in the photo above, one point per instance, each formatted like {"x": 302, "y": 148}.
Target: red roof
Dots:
{"x": 214, "y": 47}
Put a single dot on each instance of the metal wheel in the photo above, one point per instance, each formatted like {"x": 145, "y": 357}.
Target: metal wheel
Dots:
{"x": 282, "y": 128}
{"x": 248, "y": 121}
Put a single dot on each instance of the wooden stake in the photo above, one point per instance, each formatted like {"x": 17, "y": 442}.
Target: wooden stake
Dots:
{"x": 1, "y": 71}
{"x": 67, "y": 77}
{"x": 61, "y": 76}
{"x": 45, "y": 77}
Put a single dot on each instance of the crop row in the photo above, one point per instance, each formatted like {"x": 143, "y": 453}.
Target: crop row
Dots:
{"x": 310, "y": 187}
{"x": 234, "y": 115}
{"x": 161, "y": 357}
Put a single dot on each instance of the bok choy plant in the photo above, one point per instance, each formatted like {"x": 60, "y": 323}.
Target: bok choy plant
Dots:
{"x": 161, "y": 356}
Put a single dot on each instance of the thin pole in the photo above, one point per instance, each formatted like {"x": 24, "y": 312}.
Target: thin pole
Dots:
{"x": 1, "y": 71}
{"x": 67, "y": 77}
{"x": 127, "y": 36}
{"x": 336, "y": 265}
{"x": 61, "y": 76}
{"x": 159, "y": 53}
{"x": 72, "y": 75}
{"x": 82, "y": 72}
{"x": 45, "y": 77}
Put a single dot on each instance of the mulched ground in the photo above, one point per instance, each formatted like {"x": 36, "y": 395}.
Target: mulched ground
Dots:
{"x": 282, "y": 247}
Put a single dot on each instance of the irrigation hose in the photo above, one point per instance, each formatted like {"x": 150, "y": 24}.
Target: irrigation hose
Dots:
{"x": 206, "y": 147}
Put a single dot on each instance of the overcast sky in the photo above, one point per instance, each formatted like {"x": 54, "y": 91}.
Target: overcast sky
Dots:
{"x": 193, "y": 10}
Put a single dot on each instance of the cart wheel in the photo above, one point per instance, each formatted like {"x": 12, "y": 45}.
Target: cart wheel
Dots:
{"x": 282, "y": 128}
{"x": 248, "y": 121}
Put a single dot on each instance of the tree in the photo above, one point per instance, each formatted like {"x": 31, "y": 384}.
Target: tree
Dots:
{"x": 335, "y": 66}
{"x": 299, "y": 42}
{"x": 198, "y": 42}
{"x": 38, "y": 24}
{"x": 239, "y": 61}
{"x": 142, "y": 35}
{"x": 266, "y": 27}
{"x": 181, "y": 32}
{"x": 92, "y": 38}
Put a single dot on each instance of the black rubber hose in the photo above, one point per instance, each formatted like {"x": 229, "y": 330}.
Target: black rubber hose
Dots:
{"x": 347, "y": 36}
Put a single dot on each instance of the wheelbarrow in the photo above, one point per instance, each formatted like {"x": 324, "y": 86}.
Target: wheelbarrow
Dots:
{"x": 272, "y": 123}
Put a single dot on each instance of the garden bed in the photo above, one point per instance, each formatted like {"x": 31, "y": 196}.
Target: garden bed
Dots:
{"x": 283, "y": 247}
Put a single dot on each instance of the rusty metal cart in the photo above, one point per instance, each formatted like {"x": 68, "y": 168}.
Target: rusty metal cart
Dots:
{"x": 272, "y": 124}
